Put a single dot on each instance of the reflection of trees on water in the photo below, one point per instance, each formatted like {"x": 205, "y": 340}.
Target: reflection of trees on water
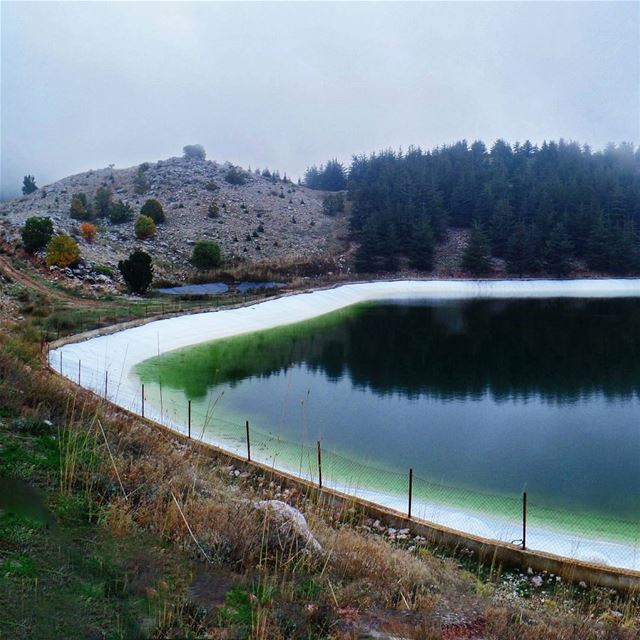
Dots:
{"x": 561, "y": 349}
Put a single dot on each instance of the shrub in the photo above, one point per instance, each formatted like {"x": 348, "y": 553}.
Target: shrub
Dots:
{"x": 153, "y": 209}
{"x": 206, "y": 255}
{"x": 88, "y": 231}
{"x": 212, "y": 185}
{"x": 194, "y": 152}
{"x": 213, "y": 211}
{"x": 36, "y": 233}
{"x": 235, "y": 175}
{"x": 137, "y": 271}
{"x": 28, "y": 185}
{"x": 333, "y": 204}
{"x": 120, "y": 212}
{"x": 103, "y": 270}
{"x": 102, "y": 201}
{"x": 140, "y": 183}
{"x": 145, "y": 227}
{"x": 80, "y": 207}
{"x": 62, "y": 251}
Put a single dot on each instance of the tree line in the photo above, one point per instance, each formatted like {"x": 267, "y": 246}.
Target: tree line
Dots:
{"x": 539, "y": 208}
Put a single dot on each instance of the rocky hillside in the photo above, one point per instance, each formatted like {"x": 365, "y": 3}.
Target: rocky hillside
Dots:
{"x": 261, "y": 220}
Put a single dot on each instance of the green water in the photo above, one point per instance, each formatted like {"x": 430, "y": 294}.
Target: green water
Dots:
{"x": 480, "y": 397}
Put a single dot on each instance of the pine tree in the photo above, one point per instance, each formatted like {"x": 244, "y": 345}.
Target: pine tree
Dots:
{"x": 102, "y": 201}
{"x": 28, "y": 185}
{"x": 421, "y": 247}
{"x": 137, "y": 271}
{"x": 501, "y": 227}
{"x": 558, "y": 251}
{"x": 625, "y": 251}
{"x": 520, "y": 254}
{"x": 599, "y": 245}
{"x": 476, "y": 256}
{"x": 367, "y": 259}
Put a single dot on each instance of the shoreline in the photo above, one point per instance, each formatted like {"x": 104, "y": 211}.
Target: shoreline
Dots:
{"x": 110, "y": 360}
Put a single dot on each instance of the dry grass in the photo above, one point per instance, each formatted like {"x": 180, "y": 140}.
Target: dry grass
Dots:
{"x": 139, "y": 478}
{"x": 272, "y": 270}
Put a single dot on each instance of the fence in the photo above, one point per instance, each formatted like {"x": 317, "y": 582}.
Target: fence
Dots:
{"x": 521, "y": 520}
{"x": 64, "y": 321}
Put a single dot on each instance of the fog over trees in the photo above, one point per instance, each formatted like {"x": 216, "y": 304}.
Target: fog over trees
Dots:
{"x": 290, "y": 85}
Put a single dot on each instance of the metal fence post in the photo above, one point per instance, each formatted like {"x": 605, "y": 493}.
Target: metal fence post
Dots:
{"x": 524, "y": 520}
{"x": 79, "y": 371}
{"x": 410, "y": 491}
{"x": 319, "y": 466}
{"x": 142, "y": 399}
{"x": 248, "y": 444}
{"x": 189, "y": 420}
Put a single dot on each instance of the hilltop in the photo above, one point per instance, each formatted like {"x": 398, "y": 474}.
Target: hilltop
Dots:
{"x": 265, "y": 219}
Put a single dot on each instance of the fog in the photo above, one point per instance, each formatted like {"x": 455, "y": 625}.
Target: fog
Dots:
{"x": 282, "y": 85}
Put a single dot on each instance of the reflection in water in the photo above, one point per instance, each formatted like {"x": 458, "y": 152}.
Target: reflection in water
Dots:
{"x": 478, "y": 393}
{"x": 560, "y": 349}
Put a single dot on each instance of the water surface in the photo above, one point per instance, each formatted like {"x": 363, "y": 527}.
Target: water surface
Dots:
{"x": 482, "y": 395}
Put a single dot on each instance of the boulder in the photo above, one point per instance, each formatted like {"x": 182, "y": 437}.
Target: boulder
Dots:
{"x": 288, "y": 526}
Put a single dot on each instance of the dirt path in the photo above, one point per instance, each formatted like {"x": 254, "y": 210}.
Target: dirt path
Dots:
{"x": 33, "y": 284}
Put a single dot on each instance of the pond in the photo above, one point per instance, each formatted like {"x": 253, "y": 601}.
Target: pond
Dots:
{"x": 217, "y": 288}
{"x": 481, "y": 388}
{"x": 479, "y": 397}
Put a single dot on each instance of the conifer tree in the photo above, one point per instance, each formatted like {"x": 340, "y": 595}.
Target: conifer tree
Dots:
{"x": 558, "y": 251}
{"x": 421, "y": 247}
{"x": 476, "y": 256}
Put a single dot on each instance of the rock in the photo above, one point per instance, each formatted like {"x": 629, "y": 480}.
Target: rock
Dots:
{"x": 289, "y": 525}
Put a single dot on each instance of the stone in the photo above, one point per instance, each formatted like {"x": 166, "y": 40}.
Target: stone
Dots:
{"x": 289, "y": 525}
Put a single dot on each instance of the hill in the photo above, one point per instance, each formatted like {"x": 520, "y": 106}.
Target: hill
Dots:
{"x": 263, "y": 219}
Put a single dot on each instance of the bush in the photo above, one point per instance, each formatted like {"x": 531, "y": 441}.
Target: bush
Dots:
{"x": 88, "y": 231}
{"x": 153, "y": 209}
{"x": 194, "y": 152}
{"x": 62, "y": 251}
{"x": 206, "y": 255}
{"x": 235, "y": 175}
{"x": 36, "y": 233}
{"x": 120, "y": 212}
{"x": 212, "y": 185}
{"x": 102, "y": 202}
{"x": 103, "y": 270}
{"x": 28, "y": 185}
{"x": 80, "y": 207}
{"x": 137, "y": 271}
{"x": 331, "y": 205}
{"x": 145, "y": 227}
{"x": 140, "y": 183}
{"x": 213, "y": 211}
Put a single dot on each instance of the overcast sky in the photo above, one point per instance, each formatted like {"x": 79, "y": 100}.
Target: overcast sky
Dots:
{"x": 288, "y": 85}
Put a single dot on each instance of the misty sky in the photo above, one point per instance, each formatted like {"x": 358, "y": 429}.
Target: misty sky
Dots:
{"x": 288, "y": 85}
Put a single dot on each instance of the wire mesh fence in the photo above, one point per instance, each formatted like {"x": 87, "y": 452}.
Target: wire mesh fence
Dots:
{"x": 520, "y": 520}
{"x": 65, "y": 320}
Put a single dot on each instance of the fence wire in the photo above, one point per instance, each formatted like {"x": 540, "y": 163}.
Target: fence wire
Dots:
{"x": 563, "y": 531}
{"x": 577, "y": 535}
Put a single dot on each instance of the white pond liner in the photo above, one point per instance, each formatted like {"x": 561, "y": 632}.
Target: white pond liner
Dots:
{"x": 117, "y": 354}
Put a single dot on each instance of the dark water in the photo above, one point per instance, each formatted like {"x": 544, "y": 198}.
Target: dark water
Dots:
{"x": 489, "y": 395}
{"x": 217, "y": 288}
